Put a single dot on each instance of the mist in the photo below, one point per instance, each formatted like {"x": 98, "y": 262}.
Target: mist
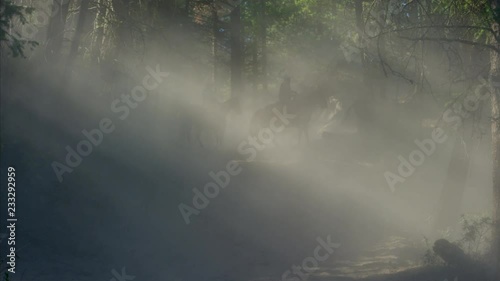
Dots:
{"x": 249, "y": 140}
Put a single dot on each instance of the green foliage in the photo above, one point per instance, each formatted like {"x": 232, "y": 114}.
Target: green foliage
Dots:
{"x": 476, "y": 234}
{"x": 473, "y": 13}
{"x": 475, "y": 239}
{"x": 12, "y": 39}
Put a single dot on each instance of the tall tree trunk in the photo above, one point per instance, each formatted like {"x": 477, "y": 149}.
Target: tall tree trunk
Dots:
{"x": 450, "y": 201}
{"x": 168, "y": 11}
{"x": 263, "y": 42}
{"x": 57, "y": 24}
{"x": 121, "y": 8}
{"x": 98, "y": 32}
{"x": 236, "y": 53}
{"x": 84, "y": 6}
{"x": 358, "y": 10}
{"x": 187, "y": 8}
{"x": 215, "y": 46}
{"x": 255, "y": 65}
{"x": 379, "y": 77}
{"x": 61, "y": 107}
{"x": 495, "y": 136}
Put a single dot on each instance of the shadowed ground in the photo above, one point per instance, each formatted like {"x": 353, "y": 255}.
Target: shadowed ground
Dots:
{"x": 119, "y": 208}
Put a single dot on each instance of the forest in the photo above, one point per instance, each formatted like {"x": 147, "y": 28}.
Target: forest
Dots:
{"x": 250, "y": 140}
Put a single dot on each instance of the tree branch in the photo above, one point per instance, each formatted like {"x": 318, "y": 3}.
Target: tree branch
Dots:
{"x": 452, "y": 40}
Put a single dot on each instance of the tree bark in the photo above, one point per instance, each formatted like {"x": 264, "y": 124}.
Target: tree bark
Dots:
{"x": 57, "y": 24}
{"x": 187, "y": 8}
{"x": 98, "y": 31}
{"x": 255, "y": 66}
{"x": 73, "y": 52}
{"x": 450, "y": 202}
{"x": 84, "y": 5}
{"x": 215, "y": 31}
{"x": 358, "y": 10}
{"x": 236, "y": 53}
{"x": 263, "y": 41}
{"x": 168, "y": 10}
{"x": 121, "y": 8}
{"x": 495, "y": 136}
